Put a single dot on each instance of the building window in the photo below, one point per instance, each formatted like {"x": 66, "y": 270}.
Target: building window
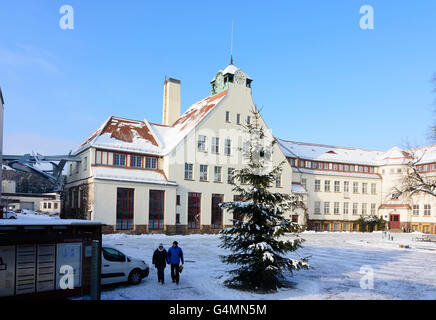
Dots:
{"x": 346, "y": 186}
{"x": 228, "y": 147}
{"x": 77, "y": 167}
{"x": 203, "y": 172}
{"x": 355, "y": 208}
{"x": 304, "y": 183}
{"x": 201, "y": 143}
{"x": 327, "y": 185}
{"x": 238, "y": 118}
{"x": 230, "y": 178}
{"x": 178, "y": 200}
{"x": 151, "y": 163}
{"x": 125, "y": 202}
{"x": 355, "y": 187}
{"x": 278, "y": 180}
{"x": 427, "y": 210}
{"x": 337, "y": 186}
{"x": 156, "y": 210}
{"x": 136, "y": 161}
{"x": 45, "y": 205}
{"x": 55, "y": 205}
{"x": 317, "y": 185}
{"x": 346, "y": 167}
{"x": 188, "y": 171}
{"x": 217, "y": 212}
{"x": 345, "y": 207}
{"x": 373, "y": 209}
{"x": 248, "y": 119}
{"x": 373, "y": 188}
{"x": 364, "y": 188}
{"x": 416, "y": 209}
{"x": 227, "y": 116}
{"x": 71, "y": 169}
{"x": 215, "y": 145}
{"x": 177, "y": 218}
{"x": 363, "y": 208}
{"x": 98, "y": 157}
{"x": 194, "y": 208}
{"x": 85, "y": 163}
{"x": 119, "y": 160}
{"x": 217, "y": 174}
{"x": 243, "y": 179}
{"x": 326, "y": 207}
{"x": 336, "y": 208}
{"x": 317, "y": 207}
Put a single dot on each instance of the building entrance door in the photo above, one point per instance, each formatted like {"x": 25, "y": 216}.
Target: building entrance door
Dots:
{"x": 394, "y": 221}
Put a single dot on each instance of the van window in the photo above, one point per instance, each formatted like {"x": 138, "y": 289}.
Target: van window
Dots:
{"x": 113, "y": 255}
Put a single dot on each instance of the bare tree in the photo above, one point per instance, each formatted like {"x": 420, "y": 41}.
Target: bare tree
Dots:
{"x": 415, "y": 181}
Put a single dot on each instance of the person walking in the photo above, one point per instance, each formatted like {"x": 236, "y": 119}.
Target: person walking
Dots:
{"x": 175, "y": 255}
{"x": 159, "y": 261}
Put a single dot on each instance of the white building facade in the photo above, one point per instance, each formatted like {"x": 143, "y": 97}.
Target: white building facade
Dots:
{"x": 143, "y": 177}
{"x": 138, "y": 176}
{"x": 343, "y": 184}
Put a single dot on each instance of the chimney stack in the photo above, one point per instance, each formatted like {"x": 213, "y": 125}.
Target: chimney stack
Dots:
{"x": 171, "y": 101}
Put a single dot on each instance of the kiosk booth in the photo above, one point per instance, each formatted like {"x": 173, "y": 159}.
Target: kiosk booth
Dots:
{"x": 50, "y": 258}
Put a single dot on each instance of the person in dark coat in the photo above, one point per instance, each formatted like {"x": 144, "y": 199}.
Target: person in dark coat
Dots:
{"x": 159, "y": 261}
{"x": 175, "y": 255}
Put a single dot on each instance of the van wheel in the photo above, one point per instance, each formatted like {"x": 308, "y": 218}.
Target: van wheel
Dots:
{"x": 135, "y": 277}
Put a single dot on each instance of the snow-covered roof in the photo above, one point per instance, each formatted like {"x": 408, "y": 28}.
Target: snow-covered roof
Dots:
{"x": 394, "y": 156}
{"x": 231, "y": 68}
{"x": 123, "y": 135}
{"x": 137, "y": 136}
{"x": 132, "y": 175}
{"x": 170, "y": 136}
{"x": 297, "y": 188}
{"x": 327, "y": 153}
{"x": 426, "y": 154}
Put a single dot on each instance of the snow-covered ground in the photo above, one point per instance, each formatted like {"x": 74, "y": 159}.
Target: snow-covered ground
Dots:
{"x": 336, "y": 261}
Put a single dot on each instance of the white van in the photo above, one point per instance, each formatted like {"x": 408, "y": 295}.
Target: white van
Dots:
{"x": 117, "y": 267}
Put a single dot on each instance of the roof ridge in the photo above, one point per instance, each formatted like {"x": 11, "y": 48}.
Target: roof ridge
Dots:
{"x": 328, "y": 146}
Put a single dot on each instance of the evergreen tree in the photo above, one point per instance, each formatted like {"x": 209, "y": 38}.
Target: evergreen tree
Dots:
{"x": 256, "y": 238}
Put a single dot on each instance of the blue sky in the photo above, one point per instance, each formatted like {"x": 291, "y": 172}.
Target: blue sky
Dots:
{"x": 317, "y": 75}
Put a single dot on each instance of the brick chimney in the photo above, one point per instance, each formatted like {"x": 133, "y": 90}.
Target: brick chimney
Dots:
{"x": 171, "y": 101}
